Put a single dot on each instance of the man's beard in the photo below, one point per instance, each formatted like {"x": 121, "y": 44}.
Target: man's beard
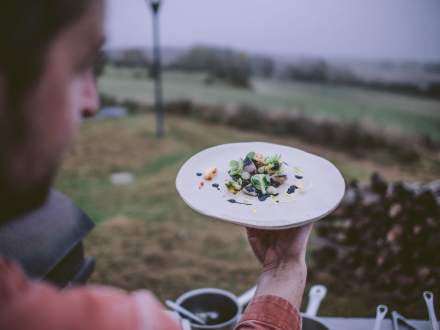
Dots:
{"x": 18, "y": 199}
{"x": 25, "y": 178}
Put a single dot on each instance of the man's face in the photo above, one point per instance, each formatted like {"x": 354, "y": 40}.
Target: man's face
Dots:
{"x": 64, "y": 92}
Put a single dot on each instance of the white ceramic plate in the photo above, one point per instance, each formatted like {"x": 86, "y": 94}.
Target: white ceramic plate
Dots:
{"x": 321, "y": 187}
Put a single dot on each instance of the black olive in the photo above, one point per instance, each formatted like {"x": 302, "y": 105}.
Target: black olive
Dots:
{"x": 216, "y": 186}
{"x": 292, "y": 189}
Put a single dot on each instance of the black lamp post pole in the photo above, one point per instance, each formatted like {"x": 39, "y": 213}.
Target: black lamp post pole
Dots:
{"x": 155, "y": 6}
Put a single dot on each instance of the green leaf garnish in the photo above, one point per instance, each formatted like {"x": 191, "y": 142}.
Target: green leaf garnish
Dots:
{"x": 250, "y": 155}
{"x": 261, "y": 182}
{"x": 236, "y": 167}
{"x": 273, "y": 159}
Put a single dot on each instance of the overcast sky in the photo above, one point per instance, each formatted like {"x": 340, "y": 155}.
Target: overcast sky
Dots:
{"x": 371, "y": 29}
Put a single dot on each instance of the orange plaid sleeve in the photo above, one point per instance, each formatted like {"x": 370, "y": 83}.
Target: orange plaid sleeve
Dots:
{"x": 270, "y": 313}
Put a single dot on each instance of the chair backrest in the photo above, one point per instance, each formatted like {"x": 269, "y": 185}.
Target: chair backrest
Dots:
{"x": 47, "y": 242}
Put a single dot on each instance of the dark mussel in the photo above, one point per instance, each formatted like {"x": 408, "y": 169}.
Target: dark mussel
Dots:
{"x": 278, "y": 180}
{"x": 250, "y": 190}
{"x": 249, "y": 166}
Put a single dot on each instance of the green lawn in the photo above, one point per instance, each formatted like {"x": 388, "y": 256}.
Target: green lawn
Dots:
{"x": 148, "y": 238}
{"x": 394, "y": 112}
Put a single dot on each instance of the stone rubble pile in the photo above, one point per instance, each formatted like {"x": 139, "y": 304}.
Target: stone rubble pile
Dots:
{"x": 385, "y": 235}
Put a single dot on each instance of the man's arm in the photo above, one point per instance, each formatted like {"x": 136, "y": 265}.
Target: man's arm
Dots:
{"x": 26, "y": 305}
{"x": 281, "y": 284}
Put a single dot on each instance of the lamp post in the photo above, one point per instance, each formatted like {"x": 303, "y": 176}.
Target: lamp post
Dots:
{"x": 155, "y": 7}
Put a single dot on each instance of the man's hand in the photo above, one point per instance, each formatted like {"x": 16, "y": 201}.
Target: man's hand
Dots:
{"x": 282, "y": 255}
{"x": 276, "y": 248}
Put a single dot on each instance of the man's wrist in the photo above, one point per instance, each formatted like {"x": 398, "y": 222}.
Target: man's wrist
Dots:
{"x": 286, "y": 280}
{"x": 285, "y": 265}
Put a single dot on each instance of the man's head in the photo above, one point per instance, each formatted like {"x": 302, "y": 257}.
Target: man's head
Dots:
{"x": 47, "y": 51}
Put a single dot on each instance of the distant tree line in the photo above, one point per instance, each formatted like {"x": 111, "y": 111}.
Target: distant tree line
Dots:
{"x": 321, "y": 72}
{"x": 432, "y": 67}
{"x": 238, "y": 68}
{"x": 222, "y": 64}
{"x": 318, "y": 71}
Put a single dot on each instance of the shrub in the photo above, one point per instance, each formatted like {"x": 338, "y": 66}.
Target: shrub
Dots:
{"x": 350, "y": 137}
{"x": 224, "y": 64}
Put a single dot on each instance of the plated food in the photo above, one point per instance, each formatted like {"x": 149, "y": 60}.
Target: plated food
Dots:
{"x": 257, "y": 175}
{"x": 260, "y": 185}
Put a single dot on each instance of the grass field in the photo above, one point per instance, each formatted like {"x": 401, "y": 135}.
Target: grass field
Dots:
{"x": 393, "y": 112}
{"x": 148, "y": 238}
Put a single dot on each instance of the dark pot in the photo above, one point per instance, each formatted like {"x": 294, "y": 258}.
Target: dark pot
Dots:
{"x": 221, "y": 309}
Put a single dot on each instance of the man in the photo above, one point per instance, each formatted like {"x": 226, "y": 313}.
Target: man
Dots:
{"x": 47, "y": 50}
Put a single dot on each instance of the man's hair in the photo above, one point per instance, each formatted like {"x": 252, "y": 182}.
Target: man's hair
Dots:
{"x": 26, "y": 30}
